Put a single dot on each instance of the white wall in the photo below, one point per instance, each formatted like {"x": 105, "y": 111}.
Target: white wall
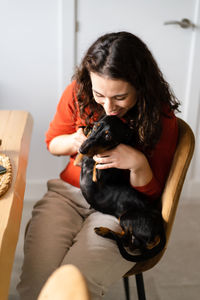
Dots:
{"x": 32, "y": 76}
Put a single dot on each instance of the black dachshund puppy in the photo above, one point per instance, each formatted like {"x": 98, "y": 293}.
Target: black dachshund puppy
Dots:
{"x": 109, "y": 192}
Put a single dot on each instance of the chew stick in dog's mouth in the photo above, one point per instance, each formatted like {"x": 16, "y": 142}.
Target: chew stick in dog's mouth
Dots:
{"x": 94, "y": 176}
{"x": 78, "y": 159}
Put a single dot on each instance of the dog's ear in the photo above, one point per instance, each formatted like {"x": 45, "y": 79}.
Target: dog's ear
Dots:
{"x": 131, "y": 137}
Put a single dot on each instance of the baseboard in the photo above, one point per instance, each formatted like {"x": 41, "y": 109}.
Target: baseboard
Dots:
{"x": 35, "y": 190}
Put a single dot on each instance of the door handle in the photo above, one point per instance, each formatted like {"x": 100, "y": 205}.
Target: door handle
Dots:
{"x": 184, "y": 23}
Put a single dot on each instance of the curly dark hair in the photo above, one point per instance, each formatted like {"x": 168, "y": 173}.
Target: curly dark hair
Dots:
{"x": 122, "y": 55}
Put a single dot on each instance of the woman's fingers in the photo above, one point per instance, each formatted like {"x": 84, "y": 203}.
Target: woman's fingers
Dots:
{"x": 105, "y": 161}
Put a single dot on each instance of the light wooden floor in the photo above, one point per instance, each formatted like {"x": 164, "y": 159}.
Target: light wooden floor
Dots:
{"x": 176, "y": 277}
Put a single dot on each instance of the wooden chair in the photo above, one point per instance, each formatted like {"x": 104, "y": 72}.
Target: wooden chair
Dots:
{"x": 170, "y": 198}
{"x": 15, "y": 135}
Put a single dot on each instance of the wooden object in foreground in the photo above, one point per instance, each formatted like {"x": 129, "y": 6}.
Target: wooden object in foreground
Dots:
{"x": 66, "y": 283}
{"x": 15, "y": 135}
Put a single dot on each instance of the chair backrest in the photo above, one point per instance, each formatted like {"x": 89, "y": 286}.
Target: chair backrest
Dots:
{"x": 172, "y": 190}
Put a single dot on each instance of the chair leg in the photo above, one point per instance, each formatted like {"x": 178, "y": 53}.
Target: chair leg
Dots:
{"x": 126, "y": 287}
{"x": 140, "y": 286}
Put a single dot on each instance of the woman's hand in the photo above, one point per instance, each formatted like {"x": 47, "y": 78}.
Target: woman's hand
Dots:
{"x": 121, "y": 157}
{"x": 78, "y": 138}
{"x": 126, "y": 157}
{"x": 67, "y": 144}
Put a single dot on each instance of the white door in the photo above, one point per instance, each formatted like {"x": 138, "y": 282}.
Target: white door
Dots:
{"x": 174, "y": 47}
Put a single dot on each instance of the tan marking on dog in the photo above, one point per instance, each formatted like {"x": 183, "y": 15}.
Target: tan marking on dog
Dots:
{"x": 154, "y": 243}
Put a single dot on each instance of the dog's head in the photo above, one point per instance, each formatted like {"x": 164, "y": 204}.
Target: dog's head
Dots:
{"x": 106, "y": 134}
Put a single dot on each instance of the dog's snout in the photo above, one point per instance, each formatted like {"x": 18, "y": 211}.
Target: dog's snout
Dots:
{"x": 87, "y": 146}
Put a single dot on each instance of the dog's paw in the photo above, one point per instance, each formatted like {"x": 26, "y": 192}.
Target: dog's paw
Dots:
{"x": 102, "y": 231}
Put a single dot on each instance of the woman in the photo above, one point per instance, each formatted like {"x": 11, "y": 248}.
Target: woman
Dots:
{"x": 118, "y": 76}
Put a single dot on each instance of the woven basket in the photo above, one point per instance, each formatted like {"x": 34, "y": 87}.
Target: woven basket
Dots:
{"x": 6, "y": 178}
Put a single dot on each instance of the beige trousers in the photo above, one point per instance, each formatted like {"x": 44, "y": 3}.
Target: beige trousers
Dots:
{"x": 61, "y": 232}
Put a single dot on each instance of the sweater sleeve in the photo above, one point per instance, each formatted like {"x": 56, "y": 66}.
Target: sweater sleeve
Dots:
{"x": 161, "y": 158}
{"x": 64, "y": 121}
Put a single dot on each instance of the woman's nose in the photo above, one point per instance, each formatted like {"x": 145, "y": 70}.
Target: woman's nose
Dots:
{"x": 108, "y": 105}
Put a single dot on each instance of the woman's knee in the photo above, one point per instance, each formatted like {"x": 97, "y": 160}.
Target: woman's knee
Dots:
{"x": 97, "y": 258}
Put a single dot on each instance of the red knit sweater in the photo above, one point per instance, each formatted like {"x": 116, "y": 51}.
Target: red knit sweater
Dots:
{"x": 67, "y": 120}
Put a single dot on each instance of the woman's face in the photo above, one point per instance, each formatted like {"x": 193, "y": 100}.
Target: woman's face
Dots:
{"x": 116, "y": 96}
